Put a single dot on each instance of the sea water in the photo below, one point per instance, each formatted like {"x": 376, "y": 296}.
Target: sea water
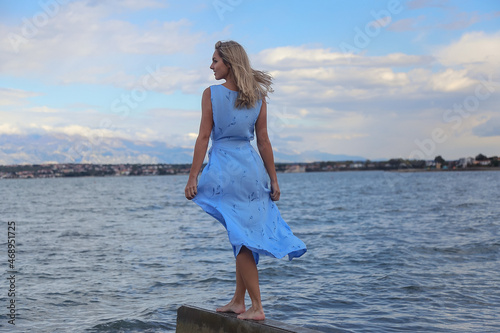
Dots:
{"x": 387, "y": 252}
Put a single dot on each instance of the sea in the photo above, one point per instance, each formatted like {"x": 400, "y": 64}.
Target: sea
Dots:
{"x": 387, "y": 252}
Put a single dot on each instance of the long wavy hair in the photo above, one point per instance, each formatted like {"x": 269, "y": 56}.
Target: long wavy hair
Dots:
{"x": 253, "y": 85}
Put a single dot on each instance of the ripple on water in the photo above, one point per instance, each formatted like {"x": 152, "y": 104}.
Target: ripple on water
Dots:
{"x": 132, "y": 325}
{"x": 386, "y": 252}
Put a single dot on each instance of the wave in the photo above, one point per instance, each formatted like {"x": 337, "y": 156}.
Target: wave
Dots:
{"x": 131, "y": 326}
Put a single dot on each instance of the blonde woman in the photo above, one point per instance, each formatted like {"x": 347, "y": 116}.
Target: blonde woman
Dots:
{"x": 237, "y": 186}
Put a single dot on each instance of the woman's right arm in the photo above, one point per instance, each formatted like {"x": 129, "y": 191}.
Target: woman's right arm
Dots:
{"x": 200, "y": 148}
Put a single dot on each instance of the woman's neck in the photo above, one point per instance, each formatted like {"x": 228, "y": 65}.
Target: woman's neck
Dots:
{"x": 230, "y": 84}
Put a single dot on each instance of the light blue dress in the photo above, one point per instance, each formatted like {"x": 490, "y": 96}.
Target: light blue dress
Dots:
{"x": 234, "y": 186}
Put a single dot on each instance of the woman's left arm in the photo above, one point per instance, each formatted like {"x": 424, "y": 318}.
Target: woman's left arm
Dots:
{"x": 266, "y": 150}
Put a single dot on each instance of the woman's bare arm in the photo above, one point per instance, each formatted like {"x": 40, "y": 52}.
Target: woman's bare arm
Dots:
{"x": 201, "y": 145}
{"x": 266, "y": 150}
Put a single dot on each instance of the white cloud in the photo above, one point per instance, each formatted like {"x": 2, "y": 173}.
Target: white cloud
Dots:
{"x": 166, "y": 80}
{"x": 304, "y": 57}
{"x": 11, "y": 97}
{"x": 85, "y": 131}
{"x": 131, "y": 4}
{"x": 84, "y": 34}
{"x": 351, "y": 136}
{"x": 300, "y": 57}
{"x": 451, "y": 80}
{"x": 312, "y": 76}
{"x": 406, "y": 24}
{"x": 10, "y": 129}
{"x": 417, "y": 4}
{"x": 43, "y": 109}
{"x": 392, "y": 100}
{"x": 477, "y": 52}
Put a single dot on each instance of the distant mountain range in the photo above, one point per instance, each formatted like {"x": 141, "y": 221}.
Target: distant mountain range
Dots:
{"x": 61, "y": 148}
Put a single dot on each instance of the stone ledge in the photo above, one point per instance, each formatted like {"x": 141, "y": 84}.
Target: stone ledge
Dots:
{"x": 192, "y": 319}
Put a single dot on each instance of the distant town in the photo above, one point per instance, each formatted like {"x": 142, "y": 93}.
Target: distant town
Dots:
{"x": 25, "y": 171}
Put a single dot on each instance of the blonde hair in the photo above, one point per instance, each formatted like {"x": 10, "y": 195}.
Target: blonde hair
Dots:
{"x": 253, "y": 85}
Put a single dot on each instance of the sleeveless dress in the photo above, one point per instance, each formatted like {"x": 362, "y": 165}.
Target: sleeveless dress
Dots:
{"x": 234, "y": 185}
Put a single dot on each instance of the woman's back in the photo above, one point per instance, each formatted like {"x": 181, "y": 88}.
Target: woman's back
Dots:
{"x": 231, "y": 123}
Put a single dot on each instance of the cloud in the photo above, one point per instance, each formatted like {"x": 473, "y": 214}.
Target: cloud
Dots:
{"x": 407, "y": 24}
{"x": 418, "y": 4}
{"x": 166, "y": 80}
{"x": 474, "y": 50}
{"x": 304, "y": 57}
{"x": 318, "y": 77}
{"x": 462, "y": 20}
{"x": 43, "y": 109}
{"x": 355, "y": 102}
{"x": 9, "y": 129}
{"x": 11, "y": 97}
{"x": 447, "y": 19}
{"x": 451, "y": 80}
{"x": 308, "y": 77}
{"x": 86, "y": 34}
{"x": 301, "y": 56}
{"x": 83, "y": 131}
{"x": 67, "y": 129}
{"x": 489, "y": 128}
{"x": 293, "y": 138}
{"x": 130, "y": 4}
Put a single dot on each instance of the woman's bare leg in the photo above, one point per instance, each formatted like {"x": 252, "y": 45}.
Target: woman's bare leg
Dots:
{"x": 245, "y": 265}
{"x": 237, "y": 304}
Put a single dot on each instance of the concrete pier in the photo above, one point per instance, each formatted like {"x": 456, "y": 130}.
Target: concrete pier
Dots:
{"x": 192, "y": 319}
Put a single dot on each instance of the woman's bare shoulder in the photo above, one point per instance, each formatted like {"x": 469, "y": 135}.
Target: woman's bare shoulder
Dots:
{"x": 207, "y": 92}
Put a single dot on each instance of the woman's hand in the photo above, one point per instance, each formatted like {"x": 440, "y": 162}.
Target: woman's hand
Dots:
{"x": 275, "y": 191}
{"x": 191, "y": 189}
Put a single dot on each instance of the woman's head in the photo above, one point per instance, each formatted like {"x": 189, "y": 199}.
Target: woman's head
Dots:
{"x": 252, "y": 84}
{"x": 220, "y": 66}
{"x": 234, "y": 56}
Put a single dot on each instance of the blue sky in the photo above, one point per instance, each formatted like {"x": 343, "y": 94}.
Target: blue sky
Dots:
{"x": 379, "y": 79}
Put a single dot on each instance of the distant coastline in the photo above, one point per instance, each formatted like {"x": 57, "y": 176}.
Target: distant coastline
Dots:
{"x": 449, "y": 170}
{"x": 101, "y": 170}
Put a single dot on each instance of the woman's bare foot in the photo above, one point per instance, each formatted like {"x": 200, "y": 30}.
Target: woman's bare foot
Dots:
{"x": 253, "y": 314}
{"x": 232, "y": 307}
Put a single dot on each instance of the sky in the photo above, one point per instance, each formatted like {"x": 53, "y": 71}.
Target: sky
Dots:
{"x": 378, "y": 79}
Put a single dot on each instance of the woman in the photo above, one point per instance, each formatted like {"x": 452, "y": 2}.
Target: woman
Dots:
{"x": 233, "y": 186}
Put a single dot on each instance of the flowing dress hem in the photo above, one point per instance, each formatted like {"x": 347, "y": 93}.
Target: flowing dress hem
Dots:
{"x": 219, "y": 216}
